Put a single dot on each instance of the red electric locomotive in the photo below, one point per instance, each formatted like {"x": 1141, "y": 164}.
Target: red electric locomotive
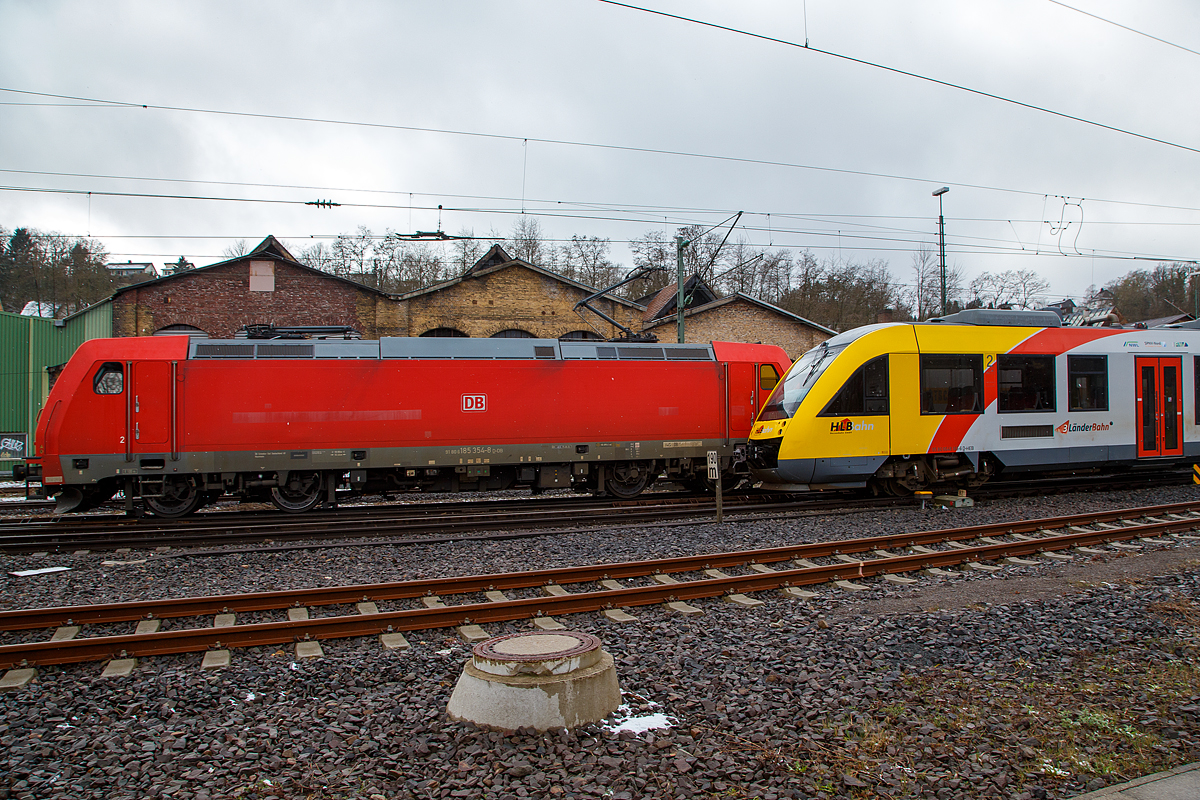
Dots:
{"x": 179, "y": 422}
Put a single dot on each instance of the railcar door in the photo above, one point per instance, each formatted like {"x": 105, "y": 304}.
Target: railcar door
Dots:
{"x": 1159, "y": 407}
{"x": 151, "y": 402}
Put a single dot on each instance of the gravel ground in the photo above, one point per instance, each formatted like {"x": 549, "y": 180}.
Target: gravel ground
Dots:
{"x": 1034, "y": 682}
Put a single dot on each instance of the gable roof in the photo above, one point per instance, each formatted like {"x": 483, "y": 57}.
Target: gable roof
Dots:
{"x": 497, "y": 260}
{"x": 495, "y": 256}
{"x": 269, "y": 247}
{"x": 665, "y": 303}
{"x": 728, "y": 299}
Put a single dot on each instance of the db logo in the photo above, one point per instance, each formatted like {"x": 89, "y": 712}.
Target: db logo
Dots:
{"x": 474, "y": 402}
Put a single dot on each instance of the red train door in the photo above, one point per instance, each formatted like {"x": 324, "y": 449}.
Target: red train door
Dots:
{"x": 1159, "y": 407}
{"x": 743, "y": 397}
{"x": 151, "y": 402}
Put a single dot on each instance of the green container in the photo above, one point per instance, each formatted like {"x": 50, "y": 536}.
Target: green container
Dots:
{"x": 30, "y": 347}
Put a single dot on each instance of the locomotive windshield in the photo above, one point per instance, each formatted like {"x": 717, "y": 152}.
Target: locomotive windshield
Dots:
{"x": 803, "y": 375}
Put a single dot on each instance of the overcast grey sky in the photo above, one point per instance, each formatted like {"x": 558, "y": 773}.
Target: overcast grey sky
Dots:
{"x": 585, "y": 72}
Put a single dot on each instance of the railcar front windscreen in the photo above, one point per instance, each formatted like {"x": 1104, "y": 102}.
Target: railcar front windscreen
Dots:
{"x": 803, "y": 375}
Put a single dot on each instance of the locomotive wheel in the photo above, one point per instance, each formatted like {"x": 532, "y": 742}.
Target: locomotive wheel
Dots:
{"x": 301, "y": 493}
{"x": 627, "y": 479}
{"x": 180, "y": 498}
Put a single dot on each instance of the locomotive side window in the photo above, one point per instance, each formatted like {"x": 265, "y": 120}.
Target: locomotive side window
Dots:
{"x": 1025, "y": 383}
{"x": 1087, "y": 383}
{"x": 767, "y": 377}
{"x": 951, "y": 384}
{"x": 864, "y": 394}
{"x": 110, "y": 378}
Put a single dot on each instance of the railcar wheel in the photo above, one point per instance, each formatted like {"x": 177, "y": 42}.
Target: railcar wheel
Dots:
{"x": 180, "y": 497}
{"x": 301, "y": 493}
{"x": 627, "y": 479}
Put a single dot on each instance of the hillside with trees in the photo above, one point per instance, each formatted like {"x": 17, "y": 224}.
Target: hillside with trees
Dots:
{"x": 60, "y": 273}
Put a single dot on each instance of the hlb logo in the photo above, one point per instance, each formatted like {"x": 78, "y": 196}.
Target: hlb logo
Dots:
{"x": 474, "y": 402}
{"x": 846, "y": 425}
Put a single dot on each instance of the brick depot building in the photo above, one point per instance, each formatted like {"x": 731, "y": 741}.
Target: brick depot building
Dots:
{"x": 497, "y": 296}
{"x": 267, "y": 285}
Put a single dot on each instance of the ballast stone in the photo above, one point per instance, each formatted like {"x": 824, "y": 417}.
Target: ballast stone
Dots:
{"x": 539, "y": 680}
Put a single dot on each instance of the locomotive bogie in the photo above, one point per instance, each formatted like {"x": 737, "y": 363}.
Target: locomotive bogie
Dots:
{"x": 901, "y": 407}
{"x": 180, "y": 423}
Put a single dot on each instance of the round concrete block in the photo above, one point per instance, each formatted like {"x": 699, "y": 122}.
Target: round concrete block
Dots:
{"x": 537, "y": 680}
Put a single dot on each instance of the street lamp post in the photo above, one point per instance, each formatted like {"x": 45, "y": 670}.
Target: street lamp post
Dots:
{"x": 942, "y": 242}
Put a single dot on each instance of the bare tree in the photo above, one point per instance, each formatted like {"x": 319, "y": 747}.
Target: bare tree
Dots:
{"x": 927, "y": 289}
{"x": 1029, "y": 288}
{"x": 926, "y": 293}
{"x": 467, "y": 250}
{"x": 528, "y": 243}
{"x": 237, "y": 249}
{"x": 351, "y": 253}
{"x": 317, "y": 256}
{"x": 585, "y": 259}
{"x": 652, "y": 250}
{"x": 1022, "y": 288}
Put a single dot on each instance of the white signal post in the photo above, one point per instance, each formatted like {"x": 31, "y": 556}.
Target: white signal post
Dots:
{"x": 714, "y": 475}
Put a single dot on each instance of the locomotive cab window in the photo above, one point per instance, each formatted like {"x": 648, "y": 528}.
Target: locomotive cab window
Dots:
{"x": 951, "y": 384}
{"x": 1024, "y": 383}
{"x": 864, "y": 394}
{"x": 1087, "y": 383}
{"x": 110, "y": 378}
{"x": 767, "y": 377}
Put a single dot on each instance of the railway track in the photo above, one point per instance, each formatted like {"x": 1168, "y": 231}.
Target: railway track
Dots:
{"x": 431, "y": 523}
{"x": 593, "y": 588}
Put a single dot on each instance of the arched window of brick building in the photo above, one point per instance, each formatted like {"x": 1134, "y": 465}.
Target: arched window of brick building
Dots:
{"x": 575, "y": 336}
{"x": 445, "y": 333}
{"x": 513, "y": 333}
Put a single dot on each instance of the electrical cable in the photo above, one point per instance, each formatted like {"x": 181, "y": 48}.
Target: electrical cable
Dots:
{"x": 1125, "y": 27}
{"x": 597, "y": 145}
{"x": 905, "y": 73}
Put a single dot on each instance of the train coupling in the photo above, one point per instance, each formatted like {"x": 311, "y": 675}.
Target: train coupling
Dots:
{"x": 29, "y": 471}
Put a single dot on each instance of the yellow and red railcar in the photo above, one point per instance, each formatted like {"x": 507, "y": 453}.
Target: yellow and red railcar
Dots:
{"x": 903, "y": 406}
{"x": 178, "y": 422}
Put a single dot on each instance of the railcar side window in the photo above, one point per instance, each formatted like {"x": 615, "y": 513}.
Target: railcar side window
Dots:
{"x": 1087, "y": 383}
{"x": 768, "y": 376}
{"x": 1025, "y": 383}
{"x": 110, "y": 378}
{"x": 864, "y": 394}
{"x": 951, "y": 384}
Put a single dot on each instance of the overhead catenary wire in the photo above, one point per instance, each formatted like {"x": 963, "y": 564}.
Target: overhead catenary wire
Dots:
{"x": 906, "y": 73}
{"x": 98, "y": 103}
{"x": 1126, "y": 27}
{"x": 961, "y": 244}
